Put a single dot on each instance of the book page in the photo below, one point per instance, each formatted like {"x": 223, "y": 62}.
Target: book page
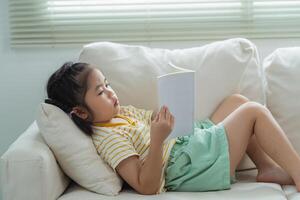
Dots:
{"x": 176, "y": 91}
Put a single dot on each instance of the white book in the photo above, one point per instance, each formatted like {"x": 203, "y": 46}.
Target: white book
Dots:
{"x": 176, "y": 90}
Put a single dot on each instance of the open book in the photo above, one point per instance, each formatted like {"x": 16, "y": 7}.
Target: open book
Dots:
{"x": 176, "y": 90}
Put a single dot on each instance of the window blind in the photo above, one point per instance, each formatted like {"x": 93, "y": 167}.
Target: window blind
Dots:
{"x": 63, "y": 22}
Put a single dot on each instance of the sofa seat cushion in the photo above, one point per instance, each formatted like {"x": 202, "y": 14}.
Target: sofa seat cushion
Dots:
{"x": 246, "y": 188}
{"x": 238, "y": 191}
{"x": 291, "y": 192}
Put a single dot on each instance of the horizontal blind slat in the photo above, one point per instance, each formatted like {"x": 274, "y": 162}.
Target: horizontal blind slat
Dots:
{"x": 73, "y": 21}
{"x": 158, "y": 34}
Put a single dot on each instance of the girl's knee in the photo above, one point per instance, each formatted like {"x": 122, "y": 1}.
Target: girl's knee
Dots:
{"x": 238, "y": 98}
{"x": 255, "y": 108}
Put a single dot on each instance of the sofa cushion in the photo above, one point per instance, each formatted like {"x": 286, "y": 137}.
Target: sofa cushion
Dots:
{"x": 29, "y": 169}
{"x": 282, "y": 70}
{"x": 246, "y": 189}
{"x": 222, "y": 68}
{"x": 75, "y": 151}
{"x": 291, "y": 192}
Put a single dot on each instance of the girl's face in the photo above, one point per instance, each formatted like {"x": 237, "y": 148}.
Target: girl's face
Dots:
{"x": 100, "y": 97}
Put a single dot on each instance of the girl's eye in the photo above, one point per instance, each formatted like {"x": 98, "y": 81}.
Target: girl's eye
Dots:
{"x": 106, "y": 85}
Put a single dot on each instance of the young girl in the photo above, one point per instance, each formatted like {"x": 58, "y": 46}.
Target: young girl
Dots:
{"x": 132, "y": 140}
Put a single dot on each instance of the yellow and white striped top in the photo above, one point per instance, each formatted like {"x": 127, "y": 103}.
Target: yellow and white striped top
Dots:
{"x": 117, "y": 141}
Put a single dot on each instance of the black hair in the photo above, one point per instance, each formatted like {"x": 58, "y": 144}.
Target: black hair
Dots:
{"x": 66, "y": 88}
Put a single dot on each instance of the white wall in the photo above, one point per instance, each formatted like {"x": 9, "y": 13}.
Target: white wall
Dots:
{"x": 24, "y": 72}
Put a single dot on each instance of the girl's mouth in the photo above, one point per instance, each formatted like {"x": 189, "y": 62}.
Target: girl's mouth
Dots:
{"x": 116, "y": 103}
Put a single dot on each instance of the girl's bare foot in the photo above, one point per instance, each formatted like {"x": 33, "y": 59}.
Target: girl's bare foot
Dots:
{"x": 274, "y": 174}
{"x": 297, "y": 181}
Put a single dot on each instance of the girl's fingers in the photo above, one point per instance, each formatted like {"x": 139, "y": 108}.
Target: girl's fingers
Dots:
{"x": 168, "y": 115}
{"x": 156, "y": 118}
{"x": 165, "y": 112}
{"x": 172, "y": 121}
{"x": 161, "y": 113}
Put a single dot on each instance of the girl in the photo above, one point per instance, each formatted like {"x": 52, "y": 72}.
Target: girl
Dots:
{"x": 132, "y": 140}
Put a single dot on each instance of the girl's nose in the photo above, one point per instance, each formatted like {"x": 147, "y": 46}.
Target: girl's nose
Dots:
{"x": 109, "y": 92}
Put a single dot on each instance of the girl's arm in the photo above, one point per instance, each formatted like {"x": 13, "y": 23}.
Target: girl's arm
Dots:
{"x": 145, "y": 177}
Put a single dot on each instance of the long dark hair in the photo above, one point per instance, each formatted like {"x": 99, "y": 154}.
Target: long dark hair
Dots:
{"x": 66, "y": 89}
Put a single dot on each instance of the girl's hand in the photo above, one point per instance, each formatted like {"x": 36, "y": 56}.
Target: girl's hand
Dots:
{"x": 162, "y": 125}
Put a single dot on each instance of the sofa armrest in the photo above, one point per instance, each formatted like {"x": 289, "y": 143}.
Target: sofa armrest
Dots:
{"x": 29, "y": 169}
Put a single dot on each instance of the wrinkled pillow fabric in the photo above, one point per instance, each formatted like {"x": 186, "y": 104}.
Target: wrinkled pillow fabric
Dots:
{"x": 282, "y": 70}
{"x": 222, "y": 68}
{"x": 75, "y": 152}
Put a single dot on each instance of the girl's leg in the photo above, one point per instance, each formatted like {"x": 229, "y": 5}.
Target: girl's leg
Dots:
{"x": 253, "y": 118}
{"x": 268, "y": 170}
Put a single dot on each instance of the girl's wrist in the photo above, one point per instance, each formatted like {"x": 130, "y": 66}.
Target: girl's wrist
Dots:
{"x": 156, "y": 143}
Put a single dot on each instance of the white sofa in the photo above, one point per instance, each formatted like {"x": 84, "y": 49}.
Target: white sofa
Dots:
{"x": 30, "y": 170}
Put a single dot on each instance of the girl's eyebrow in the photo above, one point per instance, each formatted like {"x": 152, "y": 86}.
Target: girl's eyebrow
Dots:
{"x": 98, "y": 86}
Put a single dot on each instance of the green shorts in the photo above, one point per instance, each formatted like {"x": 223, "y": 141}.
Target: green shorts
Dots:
{"x": 200, "y": 161}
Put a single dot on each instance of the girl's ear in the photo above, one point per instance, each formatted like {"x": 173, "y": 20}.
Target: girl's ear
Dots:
{"x": 80, "y": 112}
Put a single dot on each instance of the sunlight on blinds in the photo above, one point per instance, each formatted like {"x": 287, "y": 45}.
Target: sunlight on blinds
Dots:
{"x": 54, "y": 22}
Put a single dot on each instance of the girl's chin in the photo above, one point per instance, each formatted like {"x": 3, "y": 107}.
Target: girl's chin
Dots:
{"x": 117, "y": 109}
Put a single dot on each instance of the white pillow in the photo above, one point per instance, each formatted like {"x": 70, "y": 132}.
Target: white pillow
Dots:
{"x": 222, "y": 68}
{"x": 75, "y": 152}
{"x": 282, "y": 70}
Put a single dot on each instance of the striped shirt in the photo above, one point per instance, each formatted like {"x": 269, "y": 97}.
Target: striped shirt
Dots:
{"x": 117, "y": 141}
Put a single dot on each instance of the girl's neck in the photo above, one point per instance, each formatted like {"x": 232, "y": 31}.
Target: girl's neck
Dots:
{"x": 117, "y": 120}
